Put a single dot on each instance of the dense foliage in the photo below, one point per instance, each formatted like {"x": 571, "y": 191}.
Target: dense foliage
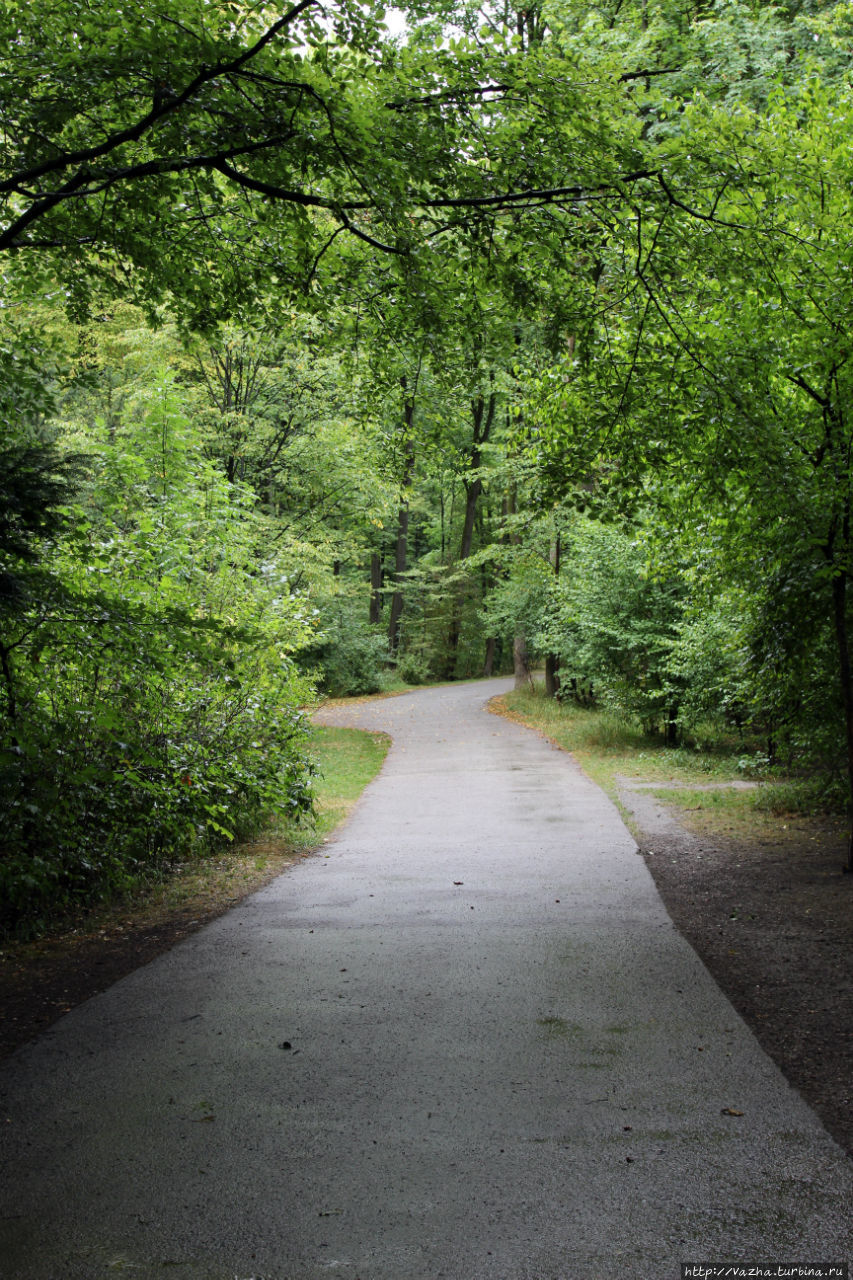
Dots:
{"x": 327, "y": 353}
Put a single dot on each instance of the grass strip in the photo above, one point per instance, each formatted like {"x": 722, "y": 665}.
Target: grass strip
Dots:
{"x": 606, "y": 744}
{"x": 614, "y": 751}
{"x": 347, "y": 760}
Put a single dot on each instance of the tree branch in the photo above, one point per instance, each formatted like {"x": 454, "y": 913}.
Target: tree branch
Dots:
{"x": 85, "y": 184}
{"x": 275, "y": 192}
{"x": 546, "y": 195}
{"x": 448, "y": 96}
{"x": 799, "y": 381}
{"x": 85, "y": 155}
{"x": 647, "y": 74}
{"x": 694, "y": 213}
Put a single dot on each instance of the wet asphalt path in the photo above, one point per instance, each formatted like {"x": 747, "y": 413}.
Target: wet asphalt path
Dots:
{"x": 464, "y": 1042}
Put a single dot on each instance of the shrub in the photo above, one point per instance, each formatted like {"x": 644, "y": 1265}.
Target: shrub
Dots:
{"x": 349, "y": 658}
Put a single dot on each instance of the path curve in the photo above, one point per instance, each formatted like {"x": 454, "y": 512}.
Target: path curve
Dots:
{"x": 465, "y": 1041}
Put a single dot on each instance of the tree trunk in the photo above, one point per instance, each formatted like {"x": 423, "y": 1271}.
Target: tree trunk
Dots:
{"x": 472, "y": 495}
{"x": 401, "y": 550}
{"x": 519, "y": 644}
{"x": 520, "y": 663}
{"x": 839, "y": 603}
{"x": 9, "y": 682}
{"x": 448, "y": 671}
{"x": 489, "y": 664}
{"x": 454, "y": 630}
{"x": 552, "y": 660}
{"x": 484, "y": 415}
{"x": 375, "y": 588}
{"x": 399, "y": 570}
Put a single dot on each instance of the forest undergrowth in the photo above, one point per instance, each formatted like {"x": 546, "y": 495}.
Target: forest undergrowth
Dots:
{"x": 43, "y": 978}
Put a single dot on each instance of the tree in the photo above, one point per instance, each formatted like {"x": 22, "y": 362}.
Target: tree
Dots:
{"x": 248, "y": 140}
{"x": 727, "y": 366}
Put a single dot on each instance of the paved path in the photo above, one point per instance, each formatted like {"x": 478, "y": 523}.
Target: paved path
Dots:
{"x": 503, "y": 1062}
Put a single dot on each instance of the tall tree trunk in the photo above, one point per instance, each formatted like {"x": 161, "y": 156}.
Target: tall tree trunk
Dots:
{"x": 839, "y": 603}
{"x": 552, "y": 660}
{"x": 375, "y": 588}
{"x": 838, "y": 557}
{"x": 400, "y": 560}
{"x": 472, "y": 497}
{"x": 520, "y": 662}
{"x": 401, "y": 549}
{"x": 489, "y": 664}
{"x": 483, "y": 414}
{"x": 9, "y": 682}
{"x": 454, "y": 630}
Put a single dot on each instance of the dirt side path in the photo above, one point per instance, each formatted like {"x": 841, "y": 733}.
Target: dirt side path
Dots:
{"x": 773, "y": 922}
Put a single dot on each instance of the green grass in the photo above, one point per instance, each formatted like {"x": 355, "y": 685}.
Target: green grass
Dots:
{"x": 606, "y": 744}
{"x": 347, "y": 760}
{"x": 687, "y": 799}
{"x": 608, "y": 747}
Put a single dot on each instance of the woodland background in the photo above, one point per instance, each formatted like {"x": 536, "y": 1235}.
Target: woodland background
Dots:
{"x": 337, "y": 351}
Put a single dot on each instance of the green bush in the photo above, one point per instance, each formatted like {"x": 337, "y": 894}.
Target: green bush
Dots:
{"x": 350, "y": 658}
{"x": 612, "y": 621}
{"x": 414, "y": 666}
{"x": 149, "y": 698}
{"x": 168, "y": 742}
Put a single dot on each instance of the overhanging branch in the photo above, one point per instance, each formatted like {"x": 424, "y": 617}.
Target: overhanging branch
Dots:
{"x": 168, "y": 106}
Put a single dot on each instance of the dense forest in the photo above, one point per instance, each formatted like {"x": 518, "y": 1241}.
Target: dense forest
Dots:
{"x": 338, "y": 347}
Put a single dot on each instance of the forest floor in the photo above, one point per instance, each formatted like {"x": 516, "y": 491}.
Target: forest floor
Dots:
{"x": 766, "y": 906}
